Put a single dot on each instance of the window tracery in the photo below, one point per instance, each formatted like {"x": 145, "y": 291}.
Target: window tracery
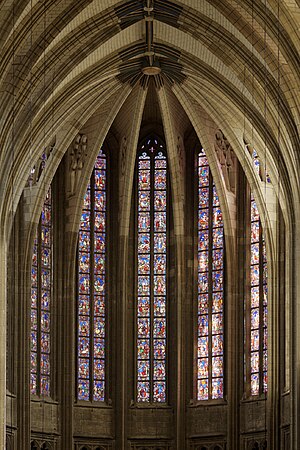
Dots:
{"x": 151, "y": 273}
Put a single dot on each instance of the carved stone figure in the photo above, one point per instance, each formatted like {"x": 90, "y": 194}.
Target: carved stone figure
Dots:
{"x": 77, "y": 154}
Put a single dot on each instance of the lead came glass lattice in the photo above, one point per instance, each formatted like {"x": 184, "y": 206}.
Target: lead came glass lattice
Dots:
{"x": 257, "y": 309}
{"x": 41, "y": 286}
{"x": 151, "y": 274}
{"x": 91, "y": 332}
{"x": 210, "y": 334}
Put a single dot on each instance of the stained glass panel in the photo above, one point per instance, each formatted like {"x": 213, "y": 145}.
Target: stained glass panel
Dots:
{"x": 210, "y": 286}
{"x": 41, "y": 285}
{"x": 256, "y": 327}
{"x": 151, "y": 275}
{"x": 91, "y": 288}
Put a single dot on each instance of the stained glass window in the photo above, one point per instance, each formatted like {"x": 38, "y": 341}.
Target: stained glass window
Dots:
{"x": 41, "y": 287}
{"x": 91, "y": 307}
{"x": 151, "y": 293}
{"x": 210, "y": 334}
{"x": 256, "y": 332}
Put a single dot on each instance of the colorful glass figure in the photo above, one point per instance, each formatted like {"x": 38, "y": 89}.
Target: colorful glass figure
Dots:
{"x": 257, "y": 309}
{"x": 41, "y": 287}
{"x": 91, "y": 331}
{"x": 151, "y": 274}
{"x": 210, "y": 367}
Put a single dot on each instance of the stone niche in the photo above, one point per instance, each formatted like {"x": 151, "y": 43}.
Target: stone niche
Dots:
{"x": 93, "y": 422}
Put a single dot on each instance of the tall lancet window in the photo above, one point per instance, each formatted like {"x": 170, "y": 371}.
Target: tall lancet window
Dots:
{"x": 256, "y": 309}
{"x": 210, "y": 286}
{"x": 91, "y": 304}
{"x": 151, "y": 258}
{"x": 41, "y": 293}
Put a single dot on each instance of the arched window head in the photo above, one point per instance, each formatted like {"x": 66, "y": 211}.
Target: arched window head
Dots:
{"x": 210, "y": 286}
{"x": 256, "y": 309}
{"x": 41, "y": 293}
{"x": 91, "y": 305}
{"x": 151, "y": 259}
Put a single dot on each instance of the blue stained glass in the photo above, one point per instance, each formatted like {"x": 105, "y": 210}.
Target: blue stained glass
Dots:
{"x": 99, "y": 327}
{"x": 99, "y": 348}
{"x": 203, "y": 218}
{"x": 203, "y": 367}
{"x": 160, "y": 200}
{"x": 159, "y": 328}
{"x": 143, "y": 349}
{"x": 159, "y": 348}
{"x": 217, "y": 217}
{"x": 45, "y": 303}
{"x": 100, "y": 200}
{"x": 217, "y": 344}
{"x": 45, "y": 236}
{"x": 99, "y": 369}
{"x": 84, "y": 326}
{"x": 85, "y": 221}
{"x": 159, "y": 370}
{"x": 143, "y": 327}
{"x": 144, "y": 201}
{"x": 144, "y": 222}
{"x": 203, "y": 240}
{"x": 217, "y": 237}
{"x": 217, "y": 256}
{"x": 202, "y": 325}
{"x": 217, "y": 323}
{"x": 143, "y": 285}
{"x": 84, "y": 262}
{"x": 217, "y": 388}
{"x": 83, "y": 390}
{"x": 143, "y": 391}
{"x": 83, "y": 368}
{"x": 203, "y": 176}
{"x": 203, "y": 197}
{"x": 99, "y": 223}
{"x": 144, "y": 179}
{"x": 144, "y": 243}
{"x": 159, "y": 221}
{"x": 99, "y": 263}
{"x": 84, "y": 241}
{"x": 83, "y": 346}
{"x": 45, "y": 321}
{"x": 99, "y": 284}
{"x": 84, "y": 305}
{"x": 160, "y": 263}
{"x": 46, "y": 257}
{"x": 143, "y": 369}
{"x": 160, "y": 179}
{"x": 160, "y": 243}
{"x": 99, "y": 242}
{"x": 87, "y": 200}
{"x": 159, "y": 306}
{"x": 99, "y": 306}
{"x": 203, "y": 261}
{"x": 202, "y": 346}
{"x": 45, "y": 385}
{"x": 99, "y": 388}
{"x": 100, "y": 179}
{"x": 45, "y": 343}
{"x": 217, "y": 279}
{"x": 159, "y": 285}
{"x": 203, "y": 389}
{"x": 217, "y": 366}
{"x": 144, "y": 264}
{"x": 202, "y": 282}
{"x": 203, "y": 304}
{"x": 143, "y": 306}
{"x": 159, "y": 391}
{"x": 84, "y": 284}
